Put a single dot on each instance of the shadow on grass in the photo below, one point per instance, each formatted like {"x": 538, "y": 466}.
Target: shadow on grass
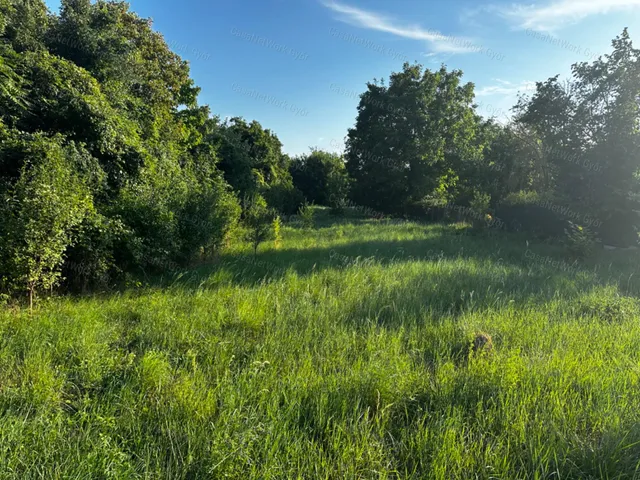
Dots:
{"x": 246, "y": 269}
{"x": 470, "y": 272}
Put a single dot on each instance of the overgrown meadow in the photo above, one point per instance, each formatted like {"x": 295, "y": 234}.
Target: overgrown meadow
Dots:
{"x": 162, "y": 316}
{"x": 349, "y": 350}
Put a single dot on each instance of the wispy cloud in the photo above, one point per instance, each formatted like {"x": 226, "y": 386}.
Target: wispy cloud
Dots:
{"x": 552, "y": 15}
{"x": 437, "y": 58}
{"x": 504, "y": 87}
{"x": 438, "y": 42}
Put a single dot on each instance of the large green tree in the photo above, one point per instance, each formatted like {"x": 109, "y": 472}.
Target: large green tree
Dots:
{"x": 253, "y": 163}
{"x": 321, "y": 177}
{"x": 589, "y": 130}
{"x": 411, "y": 137}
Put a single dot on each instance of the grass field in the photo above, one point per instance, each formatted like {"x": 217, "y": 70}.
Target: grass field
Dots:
{"x": 345, "y": 353}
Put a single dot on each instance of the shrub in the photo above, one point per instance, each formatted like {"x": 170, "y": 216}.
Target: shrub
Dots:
{"x": 479, "y": 206}
{"x": 90, "y": 262}
{"x": 620, "y": 229}
{"x": 307, "y": 215}
{"x": 148, "y": 208}
{"x": 321, "y": 177}
{"x": 283, "y": 198}
{"x": 423, "y": 211}
{"x": 337, "y": 186}
{"x": 48, "y": 204}
{"x": 527, "y": 212}
{"x": 259, "y": 222}
{"x": 522, "y": 197}
{"x": 210, "y": 212}
{"x": 579, "y": 241}
{"x": 480, "y": 203}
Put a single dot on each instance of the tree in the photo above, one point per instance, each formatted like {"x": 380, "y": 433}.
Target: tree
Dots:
{"x": 410, "y": 137}
{"x": 23, "y": 24}
{"x": 46, "y": 206}
{"x": 589, "y": 129}
{"x": 321, "y": 177}
{"x": 12, "y": 94}
{"x": 511, "y": 161}
{"x": 259, "y": 221}
{"x": 253, "y": 163}
{"x": 106, "y": 89}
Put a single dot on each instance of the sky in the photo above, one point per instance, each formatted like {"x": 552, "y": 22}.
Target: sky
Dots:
{"x": 299, "y": 66}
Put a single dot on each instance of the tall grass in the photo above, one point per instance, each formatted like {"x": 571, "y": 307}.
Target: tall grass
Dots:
{"x": 344, "y": 353}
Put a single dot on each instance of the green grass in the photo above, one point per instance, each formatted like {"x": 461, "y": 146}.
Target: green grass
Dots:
{"x": 346, "y": 353}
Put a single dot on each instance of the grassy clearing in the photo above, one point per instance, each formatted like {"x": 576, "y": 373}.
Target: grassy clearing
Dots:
{"x": 346, "y": 353}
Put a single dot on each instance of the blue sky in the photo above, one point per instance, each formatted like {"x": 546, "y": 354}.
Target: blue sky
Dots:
{"x": 298, "y": 66}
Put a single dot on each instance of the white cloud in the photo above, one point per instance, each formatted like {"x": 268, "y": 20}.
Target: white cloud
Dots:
{"x": 438, "y": 42}
{"x": 552, "y": 15}
{"x": 504, "y": 87}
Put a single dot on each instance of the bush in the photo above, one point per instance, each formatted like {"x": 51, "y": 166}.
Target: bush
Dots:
{"x": 210, "y": 212}
{"x": 522, "y": 197}
{"x": 525, "y": 212}
{"x": 259, "y": 221}
{"x": 283, "y": 198}
{"x": 48, "y": 203}
{"x": 322, "y": 178}
{"x": 307, "y": 215}
{"x": 579, "y": 241}
{"x": 479, "y": 206}
{"x": 149, "y": 209}
{"x": 423, "y": 211}
{"x": 620, "y": 229}
{"x": 90, "y": 262}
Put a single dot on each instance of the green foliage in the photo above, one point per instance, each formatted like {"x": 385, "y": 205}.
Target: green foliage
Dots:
{"x": 45, "y": 208}
{"x": 64, "y": 98}
{"x": 479, "y": 206}
{"x": 277, "y": 231}
{"x": 579, "y": 240}
{"x": 283, "y": 197}
{"x": 97, "y": 75}
{"x": 411, "y": 138}
{"x": 321, "y": 177}
{"x": 588, "y": 130}
{"x": 510, "y": 161}
{"x": 206, "y": 219}
{"x": 259, "y": 221}
{"x": 522, "y": 197}
{"x": 12, "y": 85}
{"x": 480, "y": 203}
{"x": 23, "y": 24}
{"x": 338, "y": 187}
{"x": 253, "y": 163}
{"x": 91, "y": 262}
{"x": 307, "y": 215}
